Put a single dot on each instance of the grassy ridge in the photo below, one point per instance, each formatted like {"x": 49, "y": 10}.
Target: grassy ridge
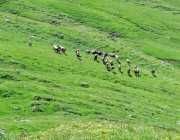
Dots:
{"x": 50, "y": 84}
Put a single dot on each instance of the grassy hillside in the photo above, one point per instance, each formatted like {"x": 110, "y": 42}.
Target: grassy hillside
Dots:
{"x": 48, "y": 96}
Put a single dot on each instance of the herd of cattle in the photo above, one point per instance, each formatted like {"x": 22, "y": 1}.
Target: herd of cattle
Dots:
{"x": 109, "y": 65}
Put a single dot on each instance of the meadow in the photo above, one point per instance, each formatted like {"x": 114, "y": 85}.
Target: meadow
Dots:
{"x": 42, "y": 95}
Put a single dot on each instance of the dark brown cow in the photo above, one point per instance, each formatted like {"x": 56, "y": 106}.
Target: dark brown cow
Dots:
{"x": 128, "y": 71}
{"x": 104, "y": 54}
{"x": 94, "y": 52}
{"x": 153, "y": 72}
{"x": 95, "y": 57}
{"x": 62, "y": 49}
{"x": 111, "y": 63}
{"x": 99, "y": 53}
{"x": 112, "y": 55}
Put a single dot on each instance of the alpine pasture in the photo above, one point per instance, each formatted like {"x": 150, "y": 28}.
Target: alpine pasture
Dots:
{"x": 50, "y": 95}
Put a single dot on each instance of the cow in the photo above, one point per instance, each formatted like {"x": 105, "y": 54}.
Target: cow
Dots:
{"x": 153, "y": 72}
{"x": 62, "y": 49}
{"x": 56, "y": 48}
{"x": 88, "y": 51}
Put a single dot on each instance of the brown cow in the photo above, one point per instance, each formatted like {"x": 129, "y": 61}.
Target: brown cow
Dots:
{"x": 77, "y": 53}
{"x": 128, "y": 72}
{"x": 56, "y": 48}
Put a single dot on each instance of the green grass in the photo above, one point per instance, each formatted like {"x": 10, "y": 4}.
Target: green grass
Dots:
{"x": 47, "y": 94}
{"x": 104, "y": 130}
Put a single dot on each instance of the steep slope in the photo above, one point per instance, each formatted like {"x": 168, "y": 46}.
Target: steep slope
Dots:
{"x": 50, "y": 84}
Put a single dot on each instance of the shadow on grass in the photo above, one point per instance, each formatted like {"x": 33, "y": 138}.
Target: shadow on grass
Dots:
{"x": 96, "y": 61}
{"x": 138, "y": 75}
{"x": 118, "y": 62}
{"x": 79, "y": 58}
{"x": 65, "y": 54}
{"x": 114, "y": 72}
{"x": 108, "y": 69}
{"x": 120, "y": 71}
